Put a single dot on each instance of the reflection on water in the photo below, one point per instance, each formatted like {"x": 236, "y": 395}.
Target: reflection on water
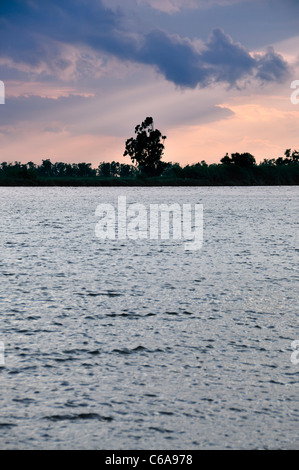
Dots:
{"x": 141, "y": 344}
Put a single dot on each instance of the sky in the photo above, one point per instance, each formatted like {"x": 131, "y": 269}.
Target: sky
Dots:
{"x": 215, "y": 75}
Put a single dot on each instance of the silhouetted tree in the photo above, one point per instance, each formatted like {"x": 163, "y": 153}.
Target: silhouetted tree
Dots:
{"x": 59, "y": 169}
{"x": 244, "y": 160}
{"x": 84, "y": 169}
{"x": 114, "y": 168}
{"x": 281, "y": 161}
{"x": 295, "y": 156}
{"x": 31, "y": 166}
{"x": 46, "y": 167}
{"x": 290, "y": 157}
{"x": 104, "y": 169}
{"x": 147, "y": 148}
{"x": 268, "y": 162}
{"x": 226, "y": 160}
{"x": 126, "y": 170}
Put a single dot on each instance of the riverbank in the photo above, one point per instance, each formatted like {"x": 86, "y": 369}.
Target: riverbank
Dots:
{"x": 280, "y": 172}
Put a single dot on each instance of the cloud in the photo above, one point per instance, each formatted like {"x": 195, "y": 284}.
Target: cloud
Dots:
{"x": 41, "y": 111}
{"x": 226, "y": 61}
{"x": 219, "y": 60}
{"x": 67, "y": 40}
{"x": 169, "y": 6}
{"x": 173, "y": 6}
{"x": 271, "y": 67}
{"x": 174, "y": 57}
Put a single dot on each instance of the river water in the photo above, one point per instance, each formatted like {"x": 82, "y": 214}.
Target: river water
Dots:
{"x": 142, "y": 344}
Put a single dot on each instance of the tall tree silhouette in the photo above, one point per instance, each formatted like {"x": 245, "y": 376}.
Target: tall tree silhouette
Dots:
{"x": 146, "y": 149}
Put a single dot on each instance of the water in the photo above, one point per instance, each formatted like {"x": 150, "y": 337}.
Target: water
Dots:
{"x": 142, "y": 344}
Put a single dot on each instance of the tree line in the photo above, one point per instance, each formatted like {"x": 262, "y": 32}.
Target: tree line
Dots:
{"x": 47, "y": 169}
{"x": 237, "y": 169}
{"x": 147, "y": 168}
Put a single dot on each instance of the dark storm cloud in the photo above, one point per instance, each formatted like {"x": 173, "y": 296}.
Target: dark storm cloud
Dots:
{"x": 27, "y": 26}
{"x": 32, "y": 31}
{"x": 220, "y": 60}
{"x": 272, "y": 67}
{"x": 225, "y": 60}
{"x": 174, "y": 57}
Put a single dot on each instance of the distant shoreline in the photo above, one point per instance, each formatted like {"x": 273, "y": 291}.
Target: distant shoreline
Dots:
{"x": 237, "y": 170}
{"x": 151, "y": 182}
